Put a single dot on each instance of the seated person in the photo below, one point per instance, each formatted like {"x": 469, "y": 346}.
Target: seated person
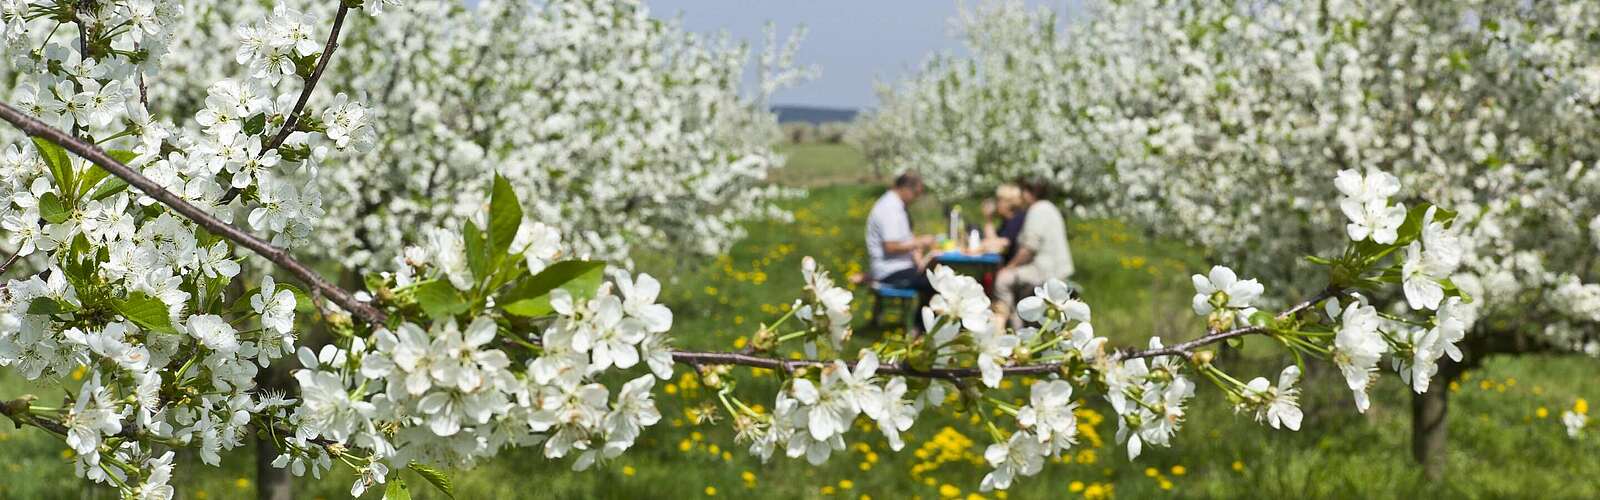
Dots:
{"x": 895, "y": 253}
{"x": 1007, "y": 203}
{"x": 1041, "y": 254}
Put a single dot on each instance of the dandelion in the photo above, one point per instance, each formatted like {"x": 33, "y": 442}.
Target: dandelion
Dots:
{"x": 711, "y": 491}
{"x": 628, "y": 470}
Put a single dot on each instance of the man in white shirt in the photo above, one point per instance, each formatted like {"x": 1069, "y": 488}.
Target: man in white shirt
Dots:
{"x": 1042, "y": 250}
{"x": 893, "y": 250}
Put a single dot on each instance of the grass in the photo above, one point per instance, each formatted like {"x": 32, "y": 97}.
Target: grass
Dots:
{"x": 1501, "y": 445}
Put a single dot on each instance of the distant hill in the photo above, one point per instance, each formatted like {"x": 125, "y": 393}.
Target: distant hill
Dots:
{"x": 813, "y": 114}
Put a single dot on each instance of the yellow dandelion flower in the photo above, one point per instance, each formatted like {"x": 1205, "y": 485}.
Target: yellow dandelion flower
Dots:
{"x": 748, "y": 477}
{"x": 740, "y": 342}
{"x": 242, "y": 483}
{"x": 1151, "y": 472}
{"x": 711, "y": 491}
{"x": 1165, "y": 484}
{"x": 845, "y": 484}
{"x": 826, "y": 490}
{"x": 949, "y": 491}
{"x": 1542, "y": 412}
{"x": 1075, "y": 486}
{"x": 685, "y": 445}
{"x": 1179, "y": 470}
{"x": 628, "y": 470}
{"x": 1581, "y": 406}
{"x": 1238, "y": 466}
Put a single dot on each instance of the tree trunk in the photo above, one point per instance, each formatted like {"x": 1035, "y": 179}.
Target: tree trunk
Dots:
{"x": 1429, "y": 412}
{"x": 272, "y": 483}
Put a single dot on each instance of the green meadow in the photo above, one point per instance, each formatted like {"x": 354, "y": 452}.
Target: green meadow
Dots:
{"x": 1505, "y": 438}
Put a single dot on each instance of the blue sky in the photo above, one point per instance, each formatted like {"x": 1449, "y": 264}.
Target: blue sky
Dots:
{"x": 854, "y": 41}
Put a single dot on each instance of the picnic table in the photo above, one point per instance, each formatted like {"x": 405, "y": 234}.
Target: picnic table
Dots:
{"x": 959, "y": 258}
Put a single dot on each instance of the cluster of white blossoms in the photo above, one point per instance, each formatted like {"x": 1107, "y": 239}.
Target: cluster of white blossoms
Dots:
{"x": 827, "y": 306}
{"x": 672, "y": 157}
{"x": 449, "y": 395}
{"x": 125, "y": 287}
{"x": 1195, "y": 118}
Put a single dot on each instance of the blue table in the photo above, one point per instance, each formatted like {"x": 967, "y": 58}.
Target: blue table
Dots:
{"x": 956, "y": 258}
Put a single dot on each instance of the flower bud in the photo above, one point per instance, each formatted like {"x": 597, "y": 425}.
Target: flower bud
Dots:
{"x": 1202, "y": 358}
{"x": 765, "y": 339}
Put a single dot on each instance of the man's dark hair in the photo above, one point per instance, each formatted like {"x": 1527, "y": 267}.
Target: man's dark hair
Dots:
{"x": 1035, "y": 186}
{"x": 908, "y": 179}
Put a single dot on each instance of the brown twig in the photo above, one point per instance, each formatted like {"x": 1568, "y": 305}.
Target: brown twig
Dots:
{"x": 1180, "y": 349}
{"x": 10, "y": 260}
{"x": 276, "y": 255}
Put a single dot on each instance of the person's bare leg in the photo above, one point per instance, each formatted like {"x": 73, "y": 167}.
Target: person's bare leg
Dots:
{"x": 1005, "y": 295}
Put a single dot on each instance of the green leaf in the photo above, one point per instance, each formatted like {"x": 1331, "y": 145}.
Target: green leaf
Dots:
{"x": 531, "y": 296}
{"x": 146, "y": 311}
{"x": 505, "y": 216}
{"x": 1318, "y": 260}
{"x": 434, "y": 477}
{"x": 57, "y": 161}
{"x": 397, "y": 490}
{"x": 477, "y": 258}
{"x": 1451, "y": 290}
{"x": 439, "y": 299}
{"x": 109, "y": 188}
{"x": 47, "y": 305}
{"x": 95, "y": 174}
{"x": 52, "y": 210}
{"x": 255, "y": 124}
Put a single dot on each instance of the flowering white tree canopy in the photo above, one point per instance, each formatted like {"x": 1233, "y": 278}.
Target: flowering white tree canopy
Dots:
{"x": 485, "y": 334}
{"x": 621, "y": 131}
{"x": 1199, "y": 118}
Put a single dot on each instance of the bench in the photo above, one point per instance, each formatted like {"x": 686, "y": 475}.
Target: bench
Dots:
{"x": 906, "y": 296}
